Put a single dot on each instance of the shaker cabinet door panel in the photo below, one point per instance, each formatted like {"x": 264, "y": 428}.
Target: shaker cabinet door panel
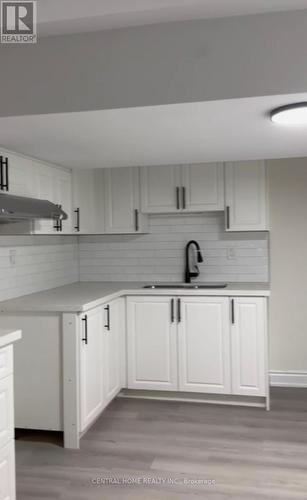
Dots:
{"x": 203, "y": 186}
{"x": 204, "y": 345}
{"x": 151, "y": 344}
{"x": 91, "y": 376}
{"x": 246, "y": 197}
{"x": 249, "y": 346}
{"x": 161, "y": 189}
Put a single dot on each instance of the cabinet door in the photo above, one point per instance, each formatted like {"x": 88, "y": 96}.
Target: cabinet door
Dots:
{"x": 6, "y": 410}
{"x": 88, "y": 201}
{"x": 160, "y": 189}
{"x": 7, "y": 472}
{"x": 204, "y": 346}
{"x": 91, "y": 376}
{"x": 111, "y": 351}
{"x": 151, "y": 344}
{"x": 203, "y": 187}
{"x": 249, "y": 346}
{"x": 63, "y": 196}
{"x": 121, "y": 191}
{"x": 246, "y": 198}
{"x": 44, "y": 191}
{"x": 21, "y": 177}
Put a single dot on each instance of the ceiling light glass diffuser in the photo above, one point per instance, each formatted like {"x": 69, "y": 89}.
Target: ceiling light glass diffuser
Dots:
{"x": 291, "y": 114}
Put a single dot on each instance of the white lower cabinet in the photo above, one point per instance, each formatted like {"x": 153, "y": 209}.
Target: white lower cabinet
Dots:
{"x": 198, "y": 344}
{"x": 101, "y": 334}
{"x": 7, "y": 445}
{"x": 113, "y": 325}
{"x": 91, "y": 366}
{"x": 204, "y": 345}
{"x": 249, "y": 346}
{"x": 7, "y": 472}
{"x": 152, "y": 343}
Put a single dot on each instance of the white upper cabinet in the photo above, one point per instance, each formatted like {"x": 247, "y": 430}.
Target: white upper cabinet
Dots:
{"x": 151, "y": 343}
{"x": 246, "y": 196}
{"x": 44, "y": 191}
{"x": 190, "y": 188}
{"x": 88, "y": 210}
{"x": 55, "y": 185}
{"x": 249, "y": 346}
{"x": 204, "y": 345}
{"x": 203, "y": 187}
{"x": 62, "y": 181}
{"x": 20, "y": 176}
{"x": 160, "y": 189}
{"x": 121, "y": 195}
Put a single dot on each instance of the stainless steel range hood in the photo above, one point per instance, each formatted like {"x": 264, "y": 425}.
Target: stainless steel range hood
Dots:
{"x": 16, "y": 208}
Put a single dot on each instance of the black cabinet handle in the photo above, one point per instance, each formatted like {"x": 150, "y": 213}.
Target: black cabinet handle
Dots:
{"x": 179, "y": 310}
{"x": 4, "y": 174}
{"x": 183, "y": 198}
{"x": 77, "y": 226}
{"x": 107, "y": 326}
{"x": 6, "y": 165}
{"x": 178, "y": 198}
{"x": 232, "y": 311}
{"x": 136, "y": 218}
{"x": 85, "y": 339}
{"x": 172, "y": 311}
{"x": 228, "y": 217}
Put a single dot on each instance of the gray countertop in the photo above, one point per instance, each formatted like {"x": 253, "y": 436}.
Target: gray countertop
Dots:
{"x": 81, "y": 296}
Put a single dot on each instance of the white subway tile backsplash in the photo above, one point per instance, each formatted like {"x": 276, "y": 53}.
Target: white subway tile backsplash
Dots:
{"x": 38, "y": 267}
{"x": 159, "y": 255}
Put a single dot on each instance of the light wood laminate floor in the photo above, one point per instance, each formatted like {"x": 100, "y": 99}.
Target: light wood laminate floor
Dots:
{"x": 156, "y": 450}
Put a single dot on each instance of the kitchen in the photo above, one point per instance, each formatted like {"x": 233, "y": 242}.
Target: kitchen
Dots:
{"x": 148, "y": 275}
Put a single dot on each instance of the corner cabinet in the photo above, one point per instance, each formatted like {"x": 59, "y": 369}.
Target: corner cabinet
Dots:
{"x": 246, "y": 196}
{"x": 190, "y": 188}
{"x": 101, "y": 332}
{"x": 204, "y": 345}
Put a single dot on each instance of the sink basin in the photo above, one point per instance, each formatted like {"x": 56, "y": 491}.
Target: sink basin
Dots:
{"x": 186, "y": 286}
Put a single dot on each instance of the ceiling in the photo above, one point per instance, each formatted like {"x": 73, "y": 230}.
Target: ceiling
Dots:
{"x": 235, "y": 129}
{"x": 75, "y": 16}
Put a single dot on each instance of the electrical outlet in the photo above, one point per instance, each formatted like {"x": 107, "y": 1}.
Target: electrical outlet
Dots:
{"x": 12, "y": 257}
{"x": 231, "y": 253}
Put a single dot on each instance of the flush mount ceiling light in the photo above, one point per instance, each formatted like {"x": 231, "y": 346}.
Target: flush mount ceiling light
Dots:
{"x": 291, "y": 114}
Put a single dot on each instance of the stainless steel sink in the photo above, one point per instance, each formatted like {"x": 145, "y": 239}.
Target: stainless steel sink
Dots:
{"x": 186, "y": 286}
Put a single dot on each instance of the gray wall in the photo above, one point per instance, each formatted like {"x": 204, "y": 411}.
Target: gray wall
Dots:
{"x": 288, "y": 260}
{"x": 159, "y": 64}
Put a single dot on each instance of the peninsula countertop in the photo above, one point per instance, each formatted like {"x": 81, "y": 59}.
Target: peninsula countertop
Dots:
{"x": 82, "y": 296}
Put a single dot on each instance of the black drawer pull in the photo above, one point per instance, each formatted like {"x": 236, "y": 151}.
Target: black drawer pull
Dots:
{"x": 85, "y": 339}
{"x": 108, "y": 324}
{"x": 77, "y": 226}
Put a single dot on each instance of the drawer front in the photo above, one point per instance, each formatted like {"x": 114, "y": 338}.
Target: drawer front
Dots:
{"x": 6, "y": 361}
{"x": 6, "y": 410}
{"x": 7, "y": 472}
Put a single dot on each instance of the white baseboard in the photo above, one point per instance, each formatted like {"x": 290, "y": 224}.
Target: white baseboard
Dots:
{"x": 288, "y": 379}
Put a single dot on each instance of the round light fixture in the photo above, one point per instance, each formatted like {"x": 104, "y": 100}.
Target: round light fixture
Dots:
{"x": 291, "y": 114}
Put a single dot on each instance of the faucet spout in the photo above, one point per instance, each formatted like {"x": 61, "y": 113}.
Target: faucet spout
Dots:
{"x": 188, "y": 273}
